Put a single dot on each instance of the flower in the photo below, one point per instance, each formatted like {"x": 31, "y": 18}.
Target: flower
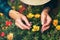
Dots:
{"x": 55, "y": 22}
{"x": 4, "y": 27}
{"x": 58, "y": 27}
{"x": 8, "y": 23}
{"x": 30, "y": 15}
{"x": 10, "y": 36}
{"x": 36, "y": 28}
{"x": 13, "y": 7}
{"x": 1, "y": 14}
{"x": 37, "y": 15}
{"x": 20, "y": 6}
{"x": 21, "y": 9}
{"x": 2, "y": 34}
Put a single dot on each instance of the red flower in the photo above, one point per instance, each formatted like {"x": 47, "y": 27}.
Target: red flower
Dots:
{"x": 22, "y": 9}
{"x": 2, "y": 34}
{"x": 8, "y": 23}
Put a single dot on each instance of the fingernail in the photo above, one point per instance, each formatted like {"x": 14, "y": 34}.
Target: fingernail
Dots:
{"x": 30, "y": 22}
{"x": 42, "y": 23}
{"x": 30, "y": 25}
{"x": 41, "y": 31}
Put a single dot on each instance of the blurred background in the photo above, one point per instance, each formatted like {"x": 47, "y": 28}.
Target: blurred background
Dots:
{"x": 8, "y": 30}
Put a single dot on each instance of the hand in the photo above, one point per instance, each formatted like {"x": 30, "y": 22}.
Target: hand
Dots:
{"x": 18, "y": 17}
{"x": 45, "y": 20}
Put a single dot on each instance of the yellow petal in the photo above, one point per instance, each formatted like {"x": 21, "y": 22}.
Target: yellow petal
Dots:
{"x": 20, "y": 6}
{"x": 13, "y": 7}
{"x": 10, "y": 36}
{"x": 37, "y": 16}
{"x": 58, "y": 27}
{"x": 36, "y": 28}
{"x": 30, "y": 15}
{"x": 3, "y": 28}
{"x": 33, "y": 30}
{"x": 55, "y": 22}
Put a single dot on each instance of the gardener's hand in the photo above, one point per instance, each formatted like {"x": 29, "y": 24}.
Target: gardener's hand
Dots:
{"x": 18, "y": 17}
{"x": 45, "y": 20}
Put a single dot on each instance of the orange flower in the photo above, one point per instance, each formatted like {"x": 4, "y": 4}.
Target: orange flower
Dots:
{"x": 10, "y": 36}
{"x": 58, "y": 27}
{"x": 55, "y": 22}
{"x": 37, "y": 15}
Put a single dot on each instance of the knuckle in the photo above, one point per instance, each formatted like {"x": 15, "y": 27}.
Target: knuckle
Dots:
{"x": 23, "y": 28}
{"x": 23, "y": 16}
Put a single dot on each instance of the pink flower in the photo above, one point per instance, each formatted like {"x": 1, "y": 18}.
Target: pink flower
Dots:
{"x": 2, "y": 34}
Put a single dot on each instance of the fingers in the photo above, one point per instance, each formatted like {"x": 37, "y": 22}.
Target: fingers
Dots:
{"x": 48, "y": 21}
{"x": 26, "y": 21}
{"x": 18, "y": 25}
{"x": 44, "y": 28}
{"x": 43, "y": 18}
{"x": 21, "y": 24}
{"x": 46, "y": 25}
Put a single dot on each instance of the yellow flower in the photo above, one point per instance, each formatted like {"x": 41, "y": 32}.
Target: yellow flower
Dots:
{"x": 3, "y": 28}
{"x": 36, "y": 28}
{"x": 1, "y": 14}
{"x": 55, "y": 22}
{"x": 13, "y": 7}
{"x": 58, "y": 27}
{"x": 37, "y": 15}
{"x": 6, "y": 27}
{"x": 20, "y": 6}
{"x": 10, "y": 36}
{"x": 30, "y": 15}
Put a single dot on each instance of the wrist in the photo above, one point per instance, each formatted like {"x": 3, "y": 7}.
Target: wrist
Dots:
{"x": 14, "y": 14}
{"x": 46, "y": 10}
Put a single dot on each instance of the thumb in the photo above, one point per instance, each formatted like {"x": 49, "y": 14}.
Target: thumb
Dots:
{"x": 43, "y": 18}
{"x": 26, "y": 21}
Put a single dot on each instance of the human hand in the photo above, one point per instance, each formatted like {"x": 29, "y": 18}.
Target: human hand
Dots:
{"x": 45, "y": 20}
{"x": 18, "y": 20}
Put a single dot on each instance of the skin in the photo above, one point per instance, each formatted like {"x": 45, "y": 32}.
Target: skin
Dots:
{"x": 45, "y": 19}
{"x": 18, "y": 17}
